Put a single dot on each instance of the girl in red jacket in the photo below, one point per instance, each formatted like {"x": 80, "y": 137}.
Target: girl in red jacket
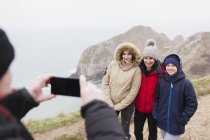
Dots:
{"x": 151, "y": 70}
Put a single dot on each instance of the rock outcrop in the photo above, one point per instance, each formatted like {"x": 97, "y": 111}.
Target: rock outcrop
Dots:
{"x": 194, "y": 52}
{"x": 178, "y": 39}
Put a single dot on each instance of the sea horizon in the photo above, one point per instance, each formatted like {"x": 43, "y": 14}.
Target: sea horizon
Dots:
{"x": 41, "y": 53}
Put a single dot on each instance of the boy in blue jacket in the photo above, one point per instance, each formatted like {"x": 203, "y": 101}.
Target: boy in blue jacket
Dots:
{"x": 176, "y": 100}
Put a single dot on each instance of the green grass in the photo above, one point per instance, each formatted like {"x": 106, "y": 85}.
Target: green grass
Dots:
{"x": 40, "y": 126}
{"x": 66, "y": 137}
{"x": 202, "y": 87}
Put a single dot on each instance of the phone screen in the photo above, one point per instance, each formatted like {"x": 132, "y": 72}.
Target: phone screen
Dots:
{"x": 65, "y": 86}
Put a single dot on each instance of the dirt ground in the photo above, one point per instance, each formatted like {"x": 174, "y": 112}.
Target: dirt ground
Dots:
{"x": 197, "y": 129}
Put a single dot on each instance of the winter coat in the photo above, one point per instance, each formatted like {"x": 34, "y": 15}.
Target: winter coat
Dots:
{"x": 101, "y": 122}
{"x": 175, "y": 103}
{"x": 145, "y": 99}
{"x": 12, "y": 109}
{"x": 122, "y": 80}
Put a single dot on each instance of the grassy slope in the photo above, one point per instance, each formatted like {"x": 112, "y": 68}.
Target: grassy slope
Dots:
{"x": 202, "y": 87}
{"x": 40, "y": 126}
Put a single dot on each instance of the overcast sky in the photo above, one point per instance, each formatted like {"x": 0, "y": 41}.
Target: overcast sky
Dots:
{"x": 171, "y": 17}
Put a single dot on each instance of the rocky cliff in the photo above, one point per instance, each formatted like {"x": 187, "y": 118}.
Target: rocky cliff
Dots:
{"x": 195, "y": 54}
{"x": 194, "y": 51}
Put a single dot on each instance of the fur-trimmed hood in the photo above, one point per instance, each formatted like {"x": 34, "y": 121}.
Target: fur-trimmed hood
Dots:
{"x": 128, "y": 47}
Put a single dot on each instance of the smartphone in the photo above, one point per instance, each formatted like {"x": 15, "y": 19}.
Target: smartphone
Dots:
{"x": 65, "y": 86}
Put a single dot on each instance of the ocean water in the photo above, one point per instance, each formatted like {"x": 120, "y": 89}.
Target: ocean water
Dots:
{"x": 55, "y": 52}
{"x": 60, "y": 104}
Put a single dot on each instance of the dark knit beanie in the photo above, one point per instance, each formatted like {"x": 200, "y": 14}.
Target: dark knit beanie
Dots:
{"x": 7, "y": 53}
{"x": 173, "y": 59}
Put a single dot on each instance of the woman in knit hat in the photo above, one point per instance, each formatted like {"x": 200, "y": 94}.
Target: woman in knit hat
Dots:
{"x": 121, "y": 82}
{"x": 176, "y": 100}
{"x": 150, "y": 71}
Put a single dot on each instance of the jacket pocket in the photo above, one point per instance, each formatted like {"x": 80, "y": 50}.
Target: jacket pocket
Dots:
{"x": 182, "y": 126}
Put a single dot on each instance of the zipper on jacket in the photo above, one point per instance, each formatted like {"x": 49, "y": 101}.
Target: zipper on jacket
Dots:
{"x": 169, "y": 104}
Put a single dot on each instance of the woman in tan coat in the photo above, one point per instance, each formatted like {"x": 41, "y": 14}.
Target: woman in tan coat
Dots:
{"x": 121, "y": 82}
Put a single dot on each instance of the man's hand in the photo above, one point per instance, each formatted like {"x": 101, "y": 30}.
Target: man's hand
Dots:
{"x": 35, "y": 89}
{"x": 88, "y": 91}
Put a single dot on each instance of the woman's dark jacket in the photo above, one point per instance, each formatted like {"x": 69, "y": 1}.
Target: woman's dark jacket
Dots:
{"x": 175, "y": 103}
{"x": 12, "y": 109}
{"x": 101, "y": 122}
